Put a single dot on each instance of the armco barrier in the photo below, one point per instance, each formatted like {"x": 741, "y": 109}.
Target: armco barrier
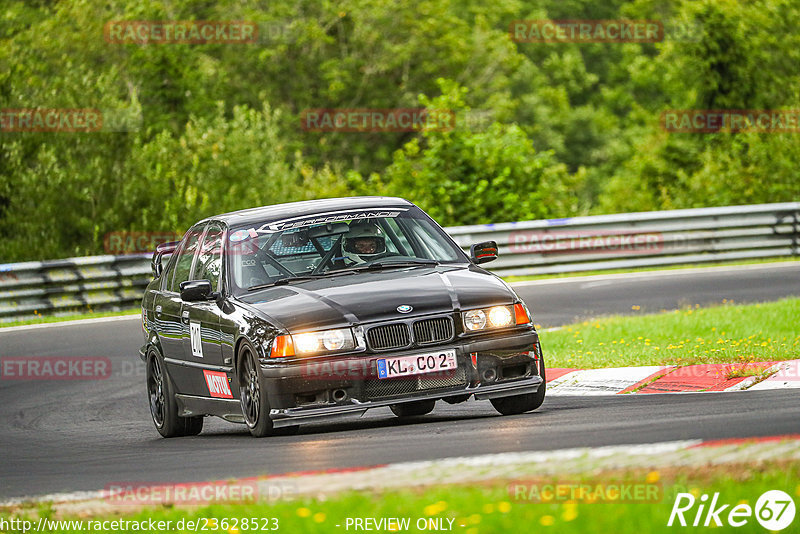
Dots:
{"x": 576, "y": 244}
{"x": 629, "y": 240}
{"x": 74, "y": 284}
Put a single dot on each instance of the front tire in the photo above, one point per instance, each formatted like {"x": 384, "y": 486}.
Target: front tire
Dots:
{"x": 411, "y": 409}
{"x": 522, "y": 403}
{"x": 163, "y": 408}
{"x": 253, "y": 394}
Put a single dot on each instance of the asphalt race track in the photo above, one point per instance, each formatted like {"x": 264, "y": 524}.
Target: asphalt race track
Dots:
{"x": 561, "y": 301}
{"x": 62, "y": 436}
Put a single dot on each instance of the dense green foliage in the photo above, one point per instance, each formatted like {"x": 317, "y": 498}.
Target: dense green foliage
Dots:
{"x": 573, "y": 127}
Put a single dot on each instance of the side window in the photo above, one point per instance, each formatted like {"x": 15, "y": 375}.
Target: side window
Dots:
{"x": 395, "y": 232}
{"x": 209, "y": 259}
{"x": 183, "y": 263}
{"x": 169, "y": 271}
{"x": 428, "y": 238}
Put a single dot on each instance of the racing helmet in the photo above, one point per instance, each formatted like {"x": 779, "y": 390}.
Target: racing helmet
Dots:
{"x": 363, "y": 242}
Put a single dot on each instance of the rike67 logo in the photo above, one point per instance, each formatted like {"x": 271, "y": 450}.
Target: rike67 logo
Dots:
{"x": 774, "y": 510}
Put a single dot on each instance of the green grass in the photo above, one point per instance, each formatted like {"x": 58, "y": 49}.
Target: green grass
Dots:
{"x": 42, "y": 319}
{"x": 721, "y": 334}
{"x": 494, "y": 507}
{"x": 512, "y": 279}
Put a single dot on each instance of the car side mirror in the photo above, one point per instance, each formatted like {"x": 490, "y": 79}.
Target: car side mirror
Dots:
{"x": 483, "y": 252}
{"x": 196, "y": 290}
{"x": 161, "y": 250}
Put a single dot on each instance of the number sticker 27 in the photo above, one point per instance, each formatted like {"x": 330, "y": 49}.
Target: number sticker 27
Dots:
{"x": 197, "y": 341}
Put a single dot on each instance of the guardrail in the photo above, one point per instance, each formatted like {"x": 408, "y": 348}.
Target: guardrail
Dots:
{"x": 630, "y": 240}
{"x": 622, "y": 241}
{"x": 72, "y": 285}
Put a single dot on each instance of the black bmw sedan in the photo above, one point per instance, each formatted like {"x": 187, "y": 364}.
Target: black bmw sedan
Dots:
{"x": 311, "y": 311}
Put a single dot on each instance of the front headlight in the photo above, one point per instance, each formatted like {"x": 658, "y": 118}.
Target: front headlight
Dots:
{"x": 308, "y": 343}
{"x": 475, "y": 320}
{"x": 499, "y": 316}
{"x": 488, "y": 318}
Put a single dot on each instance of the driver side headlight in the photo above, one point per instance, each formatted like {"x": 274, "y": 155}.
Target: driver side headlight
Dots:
{"x": 489, "y": 318}
{"x": 313, "y": 343}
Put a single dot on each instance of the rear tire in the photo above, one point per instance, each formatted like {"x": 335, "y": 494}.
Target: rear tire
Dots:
{"x": 253, "y": 394}
{"x": 523, "y": 403}
{"x": 193, "y": 425}
{"x": 163, "y": 408}
{"x": 411, "y": 409}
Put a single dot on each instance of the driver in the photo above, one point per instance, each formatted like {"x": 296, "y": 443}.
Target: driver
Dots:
{"x": 363, "y": 242}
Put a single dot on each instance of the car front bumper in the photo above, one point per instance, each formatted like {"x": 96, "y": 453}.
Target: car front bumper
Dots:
{"x": 296, "y": 416}
{"x": 492, "y": 367}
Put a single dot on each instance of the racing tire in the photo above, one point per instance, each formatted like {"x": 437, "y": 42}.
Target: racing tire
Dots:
{"x": 193, "y": 425}
{"x": 163, "y": 408}
{"x": 253, "y": 394}
{"x": 518, "y": 404}
{"x": 411, "y": 409}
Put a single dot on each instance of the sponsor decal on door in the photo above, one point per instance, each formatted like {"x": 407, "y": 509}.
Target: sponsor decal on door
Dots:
{"x": 218, "y": 384}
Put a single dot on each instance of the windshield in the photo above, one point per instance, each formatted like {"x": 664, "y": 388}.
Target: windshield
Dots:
{"x": 327, "y": 244}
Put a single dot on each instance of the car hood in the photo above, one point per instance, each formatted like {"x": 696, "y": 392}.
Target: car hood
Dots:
{"x": 367, "y": 297}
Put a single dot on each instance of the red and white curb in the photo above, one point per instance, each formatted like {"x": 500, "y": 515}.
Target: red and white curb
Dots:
{"x": 671, "y": 379}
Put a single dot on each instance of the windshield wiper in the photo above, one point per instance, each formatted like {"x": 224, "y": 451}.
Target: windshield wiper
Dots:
{"x": 389, "y": 264}
{"x": 284, "y": 281}
{"x": 298, "y": 278}
{"x": 378, "y": 265}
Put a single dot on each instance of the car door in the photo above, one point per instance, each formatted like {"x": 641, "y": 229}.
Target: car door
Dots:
{"x": 201, "y": 320}
{"x": 169, "y": 309}
{"x": 165, "y": 310}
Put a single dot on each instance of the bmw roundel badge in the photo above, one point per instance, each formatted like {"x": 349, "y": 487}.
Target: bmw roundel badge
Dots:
{"x": 404, "y": 308}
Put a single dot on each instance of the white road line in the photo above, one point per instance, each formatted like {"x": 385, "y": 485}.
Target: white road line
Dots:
{"x": 511, "y": 458}
{"x": 76, "y": 322}
{"x": 655, "y": 274}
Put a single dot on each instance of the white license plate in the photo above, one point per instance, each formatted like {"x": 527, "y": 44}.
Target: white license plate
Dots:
{"x": 417, "y": 364}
